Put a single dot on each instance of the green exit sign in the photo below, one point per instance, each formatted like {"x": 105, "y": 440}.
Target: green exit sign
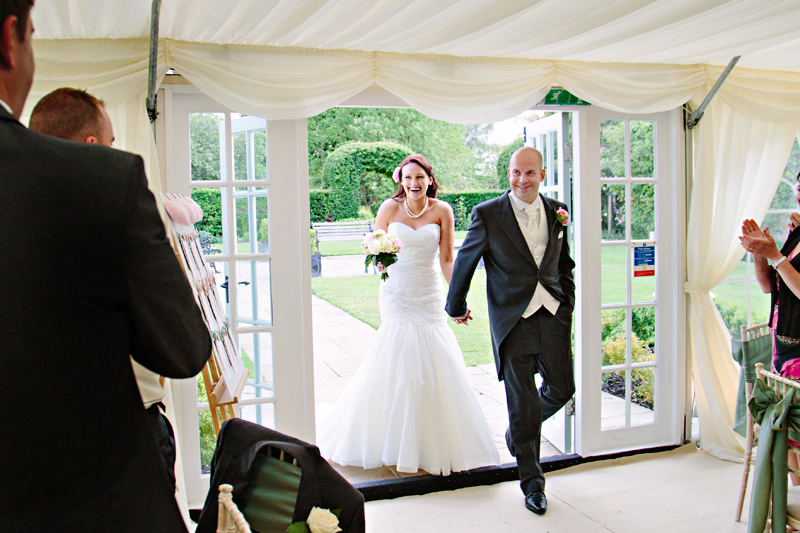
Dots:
{"x": 562, "y": 97}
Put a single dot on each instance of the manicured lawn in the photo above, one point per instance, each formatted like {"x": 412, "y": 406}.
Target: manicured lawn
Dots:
{"x": 358, "y": 296}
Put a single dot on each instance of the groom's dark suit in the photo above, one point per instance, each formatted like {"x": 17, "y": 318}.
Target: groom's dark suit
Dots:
{"x": 522, "y": 347}
{"x": 87, "y": 280}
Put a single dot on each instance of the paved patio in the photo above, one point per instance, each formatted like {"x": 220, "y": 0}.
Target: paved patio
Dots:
{"x": 341, "y": 343}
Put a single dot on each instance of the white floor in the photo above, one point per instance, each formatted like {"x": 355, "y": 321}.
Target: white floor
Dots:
{"x": 685, "y": 490}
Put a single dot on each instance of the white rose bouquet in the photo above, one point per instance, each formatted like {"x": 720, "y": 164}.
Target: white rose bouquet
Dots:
{"x": 318, "y": 521}
{"x": 381, "y": 249}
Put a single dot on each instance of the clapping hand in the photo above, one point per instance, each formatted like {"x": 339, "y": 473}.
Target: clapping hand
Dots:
{"x": 463, "y": 319}
{"x": 794, "y": 221}
{"x": 758, "y": 241}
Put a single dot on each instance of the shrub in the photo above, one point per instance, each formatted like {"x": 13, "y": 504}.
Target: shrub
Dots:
{"x": 263, "y": 230}
{"x": 346, "y": 167}
{"x": 463, "y": 202}
{"x": 210, "y": 201}
{"x": 365, "y": 213}
{"x": 734, "y": 315}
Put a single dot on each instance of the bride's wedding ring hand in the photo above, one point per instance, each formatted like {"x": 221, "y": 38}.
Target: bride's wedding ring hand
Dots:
{"x": 463, "y": 319}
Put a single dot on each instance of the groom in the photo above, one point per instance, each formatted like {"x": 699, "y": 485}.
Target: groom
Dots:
{"x": 522, "y": 239}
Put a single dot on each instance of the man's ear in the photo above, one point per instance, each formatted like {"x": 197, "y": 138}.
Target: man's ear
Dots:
{"x": 10, "y": 41}
{"x": 90, "y": 139}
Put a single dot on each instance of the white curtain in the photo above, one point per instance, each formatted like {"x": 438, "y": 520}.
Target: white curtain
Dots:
{"x": 737, "y": 166}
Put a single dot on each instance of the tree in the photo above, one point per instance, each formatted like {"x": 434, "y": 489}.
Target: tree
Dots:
{"x": 204, "y": 149}
{"x": 456, "y": 151}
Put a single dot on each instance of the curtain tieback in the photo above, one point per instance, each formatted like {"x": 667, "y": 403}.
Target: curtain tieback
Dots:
{"x": 692, "y": 288}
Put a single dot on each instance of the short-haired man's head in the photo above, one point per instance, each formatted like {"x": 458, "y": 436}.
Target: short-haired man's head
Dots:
{"x": 14, "y": 8}
{"x": 71, "y": 114}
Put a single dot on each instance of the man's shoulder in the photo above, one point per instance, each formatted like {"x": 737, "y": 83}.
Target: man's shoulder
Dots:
{"x": 555, "y": 204}
{"x": 61, "y": 153}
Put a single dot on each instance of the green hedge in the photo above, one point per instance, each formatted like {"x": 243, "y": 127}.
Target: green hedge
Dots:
{"x": 210, "y": 202}
{"x": 463, "y": 202}
{"x": 344, "y": 171}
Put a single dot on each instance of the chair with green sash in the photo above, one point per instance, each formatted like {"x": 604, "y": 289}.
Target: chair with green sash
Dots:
{"x": 775, "y": 404}
{"x": 754, "y": 347}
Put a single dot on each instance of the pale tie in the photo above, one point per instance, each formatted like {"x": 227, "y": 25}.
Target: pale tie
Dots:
{"x": 533, "y": 218}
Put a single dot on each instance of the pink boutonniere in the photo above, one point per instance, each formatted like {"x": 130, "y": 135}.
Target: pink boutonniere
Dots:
{"x": 562, "y": 216}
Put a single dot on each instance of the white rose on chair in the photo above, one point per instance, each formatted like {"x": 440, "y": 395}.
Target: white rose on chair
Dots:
{"x": 322, "y": 521}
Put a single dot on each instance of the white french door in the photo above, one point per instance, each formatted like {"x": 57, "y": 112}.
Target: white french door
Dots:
{"x": 629, "y": 223}
{"x": 250, "y": 176}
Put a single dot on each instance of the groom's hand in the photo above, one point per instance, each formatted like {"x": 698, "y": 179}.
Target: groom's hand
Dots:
{"x": 463, "y": 319}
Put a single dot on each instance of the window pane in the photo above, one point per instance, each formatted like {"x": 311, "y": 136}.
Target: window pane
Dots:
{"x": 612, "y": 209}
{"x": 613, "y": 406}
{"x": 614, "y": 337}
{"x": 643, "y": 396}
{"x": 249, "y": 147}
{"x": 643, "y": 211}
{"x": 262, "y": 414}
{"x": 254, "y": 292}
{"x": 256, "y": 350}
{"x": 643, "y": 286}
{"x": 642, "y": 149}
{"x": 252, "y": 231}
{"x": 613, "y": 269}
{"x": 643, "y": 333}
{"x": 612, "y": 149}
{"x": 553, "y": 171}
{"x": 204, "y": 145}
{"x": 731, "y": 301}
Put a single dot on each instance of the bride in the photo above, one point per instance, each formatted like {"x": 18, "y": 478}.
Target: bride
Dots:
{"x": 411, "y": 404}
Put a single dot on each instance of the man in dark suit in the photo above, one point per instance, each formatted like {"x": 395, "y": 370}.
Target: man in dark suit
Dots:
{"x": 88, "y": 278}
{"x": 77, "y": 115}
{"x": 521, "y": 237}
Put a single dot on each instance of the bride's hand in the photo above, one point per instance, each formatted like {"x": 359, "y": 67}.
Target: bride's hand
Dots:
{"x": 463, "y": 319}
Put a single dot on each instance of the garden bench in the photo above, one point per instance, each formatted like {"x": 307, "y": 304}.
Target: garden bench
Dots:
{"x": 341, "y": 231}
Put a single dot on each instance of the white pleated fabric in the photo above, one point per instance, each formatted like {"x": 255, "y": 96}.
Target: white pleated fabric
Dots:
{"x": 410, "y": 404}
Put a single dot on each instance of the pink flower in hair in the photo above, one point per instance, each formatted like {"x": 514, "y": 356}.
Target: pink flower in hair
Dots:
{"x": 396, "y": 175}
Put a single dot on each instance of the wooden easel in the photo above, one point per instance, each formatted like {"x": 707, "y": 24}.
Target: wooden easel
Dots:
{"x": 224, "y": 375}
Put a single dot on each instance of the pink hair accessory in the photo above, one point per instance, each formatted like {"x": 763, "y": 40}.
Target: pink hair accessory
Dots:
{"x": 396, "y": 175}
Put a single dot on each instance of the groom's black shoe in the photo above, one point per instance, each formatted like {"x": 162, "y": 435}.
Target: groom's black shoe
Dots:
{"x": 536, "y": 502}
{"x": 509, "y": 444}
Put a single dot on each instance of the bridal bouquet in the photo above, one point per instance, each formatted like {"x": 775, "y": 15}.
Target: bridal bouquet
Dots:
{"x": 381, "y": 249}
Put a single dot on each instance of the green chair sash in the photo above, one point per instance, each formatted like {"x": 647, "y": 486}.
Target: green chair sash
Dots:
{"x": 776, "y": 416}
{"x": 270, "y": 500}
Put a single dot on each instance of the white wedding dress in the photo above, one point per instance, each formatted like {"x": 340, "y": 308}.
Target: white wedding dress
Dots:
{"x": 411, "y": 404}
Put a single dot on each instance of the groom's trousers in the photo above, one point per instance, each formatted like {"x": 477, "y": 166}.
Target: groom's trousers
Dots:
{"x": 540, "y": 343}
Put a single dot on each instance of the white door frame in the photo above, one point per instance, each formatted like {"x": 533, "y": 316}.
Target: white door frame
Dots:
{"x": 670, "y": 390}
{"x": 290, "y": 266}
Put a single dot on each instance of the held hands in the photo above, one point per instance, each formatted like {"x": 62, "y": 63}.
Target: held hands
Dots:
{"x": 463, "y": 319}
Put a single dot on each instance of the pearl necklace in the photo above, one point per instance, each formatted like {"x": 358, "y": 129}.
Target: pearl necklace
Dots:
{"x": 412, "y": 215}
